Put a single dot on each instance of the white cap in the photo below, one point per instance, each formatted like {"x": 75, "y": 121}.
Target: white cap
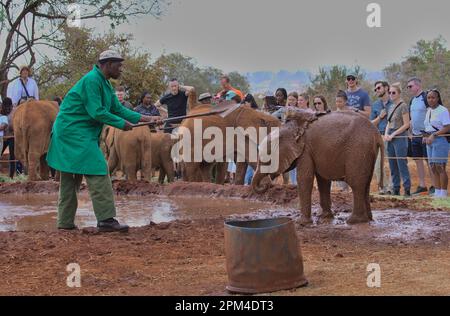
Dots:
{"x": 110, "y": 54}
{"x": 204, "y": 96}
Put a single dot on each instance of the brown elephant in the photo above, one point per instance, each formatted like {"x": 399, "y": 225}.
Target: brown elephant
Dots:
{"x": 161, "y": 156}
{"x": 32, "y": 125}
{"x": 130, "y": 151}
{"x": 334, "y": 146}
{"x": 243, "y": 116}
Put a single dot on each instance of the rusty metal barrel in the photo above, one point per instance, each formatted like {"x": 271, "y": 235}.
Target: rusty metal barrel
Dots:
{"x": 263, "y": 256}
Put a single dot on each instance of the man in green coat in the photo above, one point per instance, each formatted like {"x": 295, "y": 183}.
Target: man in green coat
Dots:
{"x": 74, "y": 147}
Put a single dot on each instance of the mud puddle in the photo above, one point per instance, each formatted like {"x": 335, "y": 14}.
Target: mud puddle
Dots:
{"x": 38, "y": 212}
{"x": 391, "y": 226}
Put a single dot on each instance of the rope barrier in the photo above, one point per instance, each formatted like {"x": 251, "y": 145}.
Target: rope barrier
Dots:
{"x": 419, "y": 136}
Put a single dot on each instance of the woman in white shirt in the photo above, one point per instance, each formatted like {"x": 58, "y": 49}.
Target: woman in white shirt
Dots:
{"x": 23, "y": 88}
{"x": 437, "y": 122}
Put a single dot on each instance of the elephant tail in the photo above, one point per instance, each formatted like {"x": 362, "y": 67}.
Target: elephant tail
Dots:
{"x": 382, "y": 156}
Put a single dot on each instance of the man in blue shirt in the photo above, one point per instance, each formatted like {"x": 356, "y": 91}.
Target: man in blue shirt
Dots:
{"x": 418, "y": 110}
{"x": 358, "y": 98}
{"x": 379, "y": 117}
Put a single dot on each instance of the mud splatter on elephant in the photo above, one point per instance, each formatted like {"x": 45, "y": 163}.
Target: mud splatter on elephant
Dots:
{"x": 32, "y": 125}
{"x": 335, "y": 146}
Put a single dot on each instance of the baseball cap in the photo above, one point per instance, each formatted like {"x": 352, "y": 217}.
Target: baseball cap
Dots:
{"x": 110, "y": 55}
{"x": 204, "y": 96}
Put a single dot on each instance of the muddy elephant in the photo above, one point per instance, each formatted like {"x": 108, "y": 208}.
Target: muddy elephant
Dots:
{"x": 244, "y": 117}
{"x": 32, "y": 125}
{"x": 130, "y": 151}
{"x": 161, "y": 156}
{"x": 335, "y": 146}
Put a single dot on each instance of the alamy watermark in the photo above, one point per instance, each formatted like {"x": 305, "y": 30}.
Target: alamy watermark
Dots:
{"x": 211, "y": 145}
{"x": 374, "y": 18}
{"x": 374, "y": 277}
{"x": 74, "y": 278}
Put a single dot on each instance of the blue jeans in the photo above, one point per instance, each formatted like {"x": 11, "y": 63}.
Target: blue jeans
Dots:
{"x": 249, "y": 176}
{"x": 438, "y": 151}
{"x": 398, "y": 148}
{"x": 293, "y": 175}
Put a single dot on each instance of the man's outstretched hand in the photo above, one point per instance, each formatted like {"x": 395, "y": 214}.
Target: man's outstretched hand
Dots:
{"x": 151, "y": 119}
{"x": 128, "y": 126}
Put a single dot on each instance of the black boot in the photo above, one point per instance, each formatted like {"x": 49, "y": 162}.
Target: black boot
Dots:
{"x": 111, "y": 225}
{"x": 407, "y": 193}
{"x": 396, "y": 192}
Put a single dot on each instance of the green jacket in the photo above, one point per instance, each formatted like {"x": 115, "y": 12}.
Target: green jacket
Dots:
{"x": 91, "y": 103}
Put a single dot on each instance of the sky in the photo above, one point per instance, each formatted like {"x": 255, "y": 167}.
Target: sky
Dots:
{"x": 273, "y": 35}
{"x": 267, "y": 35}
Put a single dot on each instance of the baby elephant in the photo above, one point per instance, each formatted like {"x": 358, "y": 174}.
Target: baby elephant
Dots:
{"x": 130, "y": 152}
{"x": 161, "y": 156}
{"x": 335, "y": 146}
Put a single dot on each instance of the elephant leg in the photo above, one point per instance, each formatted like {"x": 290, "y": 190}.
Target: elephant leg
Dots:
{"x": 162, "y": 175}
{"x": 33, "y": 162}
{"x": 113, "y": 161}
{"x": 241, "y": 169}
{"x": 221, "y": 172}
{"x": 206, "y": 172}
{"x": 146, "y": 173}
{"x": 131, "y": 172}
{"x": 305, "y": 186}
{"x": 325, "y": 196}
{"x": 168, "y": 169}
{"x": 359, "y": 213}
{"x": 43, "y": 168}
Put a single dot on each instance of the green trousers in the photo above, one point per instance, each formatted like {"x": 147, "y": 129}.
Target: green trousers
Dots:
{"x": 100, "y": 191}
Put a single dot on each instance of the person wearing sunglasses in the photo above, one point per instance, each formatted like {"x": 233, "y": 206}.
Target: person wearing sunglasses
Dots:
{"x": 358, "y": 98}
{"x": 378, "y": 117}
{"x": 397, "y": 148}
{"x": 320, "y": 104}
{"x": 418, "y": 109}
{"x": 437, "y": 123}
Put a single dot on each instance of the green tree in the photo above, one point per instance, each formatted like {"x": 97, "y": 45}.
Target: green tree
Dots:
{"x": 429, "y": 61}
{"x": 28, "y": 24}
{"x": 80, "y": 52}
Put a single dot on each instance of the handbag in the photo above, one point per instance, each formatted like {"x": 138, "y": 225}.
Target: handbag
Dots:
{"x": 26, "y": 91}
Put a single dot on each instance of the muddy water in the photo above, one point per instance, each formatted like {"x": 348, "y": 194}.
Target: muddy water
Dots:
{"x": 38, "y": 211}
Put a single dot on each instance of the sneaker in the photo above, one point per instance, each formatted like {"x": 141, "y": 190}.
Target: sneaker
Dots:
{"x": 432, "y": 190}
{"x": 111, "y": 225}
{"x": 421, "y": 191}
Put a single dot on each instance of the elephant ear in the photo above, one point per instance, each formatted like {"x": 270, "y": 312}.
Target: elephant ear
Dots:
{"x": 292, "y": 143}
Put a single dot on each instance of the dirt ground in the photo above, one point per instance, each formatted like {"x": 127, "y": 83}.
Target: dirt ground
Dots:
{"x": 409, "y": 239}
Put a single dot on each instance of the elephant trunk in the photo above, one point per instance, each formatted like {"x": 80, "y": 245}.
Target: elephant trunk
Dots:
{"x": 261, "y": 182}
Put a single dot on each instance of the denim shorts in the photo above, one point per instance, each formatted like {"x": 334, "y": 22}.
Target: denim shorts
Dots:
{"x": 418, "y": 148}
{"x": 438, "y": 150}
